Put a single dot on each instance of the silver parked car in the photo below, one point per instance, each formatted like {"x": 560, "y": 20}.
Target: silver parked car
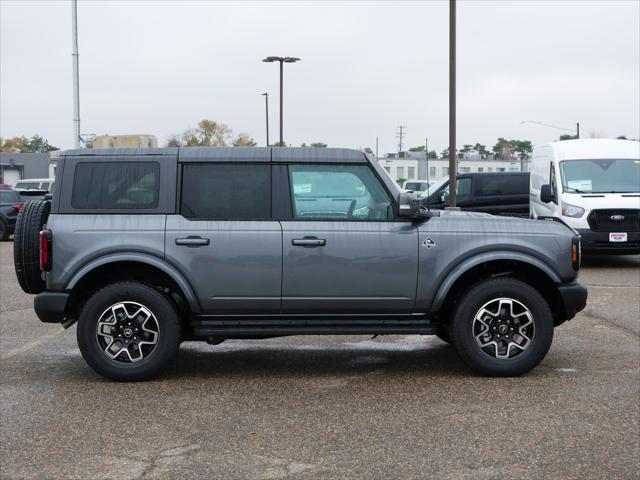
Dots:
{"x": 146, "y": 248}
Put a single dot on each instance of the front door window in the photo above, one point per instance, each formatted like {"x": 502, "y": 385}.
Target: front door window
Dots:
{"x": 338, "y": 192}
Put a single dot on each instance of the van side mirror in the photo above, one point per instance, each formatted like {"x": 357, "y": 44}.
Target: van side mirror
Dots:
{"x": 545, "y": 193}
{"x": 408, "y": 205}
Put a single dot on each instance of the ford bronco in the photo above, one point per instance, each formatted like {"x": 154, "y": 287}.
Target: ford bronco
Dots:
{"x": 146, "y": 248}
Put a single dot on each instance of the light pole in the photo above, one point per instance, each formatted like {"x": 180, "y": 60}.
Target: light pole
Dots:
{"x": 266, "y": 107}
{"x": 452, "y": 103}
{"x": 577, "y": 130}
{"x": 76, "y": 76}
{"x": 281, "y": 60}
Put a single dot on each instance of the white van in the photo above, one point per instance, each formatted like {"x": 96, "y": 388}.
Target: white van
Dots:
{"x": 417, "y": 186}
{"x": 593, "y": 185}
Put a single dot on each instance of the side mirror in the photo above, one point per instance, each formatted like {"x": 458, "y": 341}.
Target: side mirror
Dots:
{"x": 408, "y": 205}
{"x": 545, "y": 193}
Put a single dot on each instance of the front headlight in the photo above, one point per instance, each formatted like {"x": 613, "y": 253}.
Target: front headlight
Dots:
{"x": 569, "y": 210}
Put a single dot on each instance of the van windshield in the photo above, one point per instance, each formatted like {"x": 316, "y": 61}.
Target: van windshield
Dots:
{"x": 604, "y": 175}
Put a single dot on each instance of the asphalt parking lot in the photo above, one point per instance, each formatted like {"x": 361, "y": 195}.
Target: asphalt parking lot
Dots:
{"x": 328, "y": 407}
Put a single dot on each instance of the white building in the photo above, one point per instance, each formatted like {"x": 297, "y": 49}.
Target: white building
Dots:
{"x": 415, "y": 166}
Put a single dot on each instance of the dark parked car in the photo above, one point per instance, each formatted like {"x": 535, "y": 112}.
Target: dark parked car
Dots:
{"x": 501, "y": 193}
{"x": 10, "y": 206}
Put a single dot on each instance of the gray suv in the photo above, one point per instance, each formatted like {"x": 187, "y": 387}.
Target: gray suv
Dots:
{"x": 146, "y": 248}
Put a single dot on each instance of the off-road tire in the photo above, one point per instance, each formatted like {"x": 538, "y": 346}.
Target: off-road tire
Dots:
{"x": 169, "y": 337}
{"x": 26, "y": 245}
{"x": 471, "y": 303}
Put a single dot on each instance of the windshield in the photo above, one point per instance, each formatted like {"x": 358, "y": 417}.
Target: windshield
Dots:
{"x": 28, "y": 185}
{"x": 436, "y": 186}
{"x": 416, "y": 186}
{"x": 604, "y": 175}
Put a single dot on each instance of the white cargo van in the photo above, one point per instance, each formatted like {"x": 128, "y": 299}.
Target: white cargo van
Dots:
{"x": 593, "y": 185}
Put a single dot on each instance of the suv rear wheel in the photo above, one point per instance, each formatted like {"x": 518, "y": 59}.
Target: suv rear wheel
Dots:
{"x": 502, "y": 327}
{"x": 128, "y": 331}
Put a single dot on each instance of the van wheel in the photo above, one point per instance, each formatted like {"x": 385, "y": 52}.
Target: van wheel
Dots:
{"x": 26, "y": 244}
{"x": 502, "y": 327}
{"x": 128, "y": 331}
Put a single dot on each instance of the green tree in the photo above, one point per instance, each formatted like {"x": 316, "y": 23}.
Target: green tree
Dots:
{"x": 432, "y": 154}
{"x": 466, "y": 148}
{"x": 209, "y": 133}
{"x": 174, "y": 141}
{"x": 401, "y": 180}
{"x": 15, "y": 144}
{"x": 445, "y": 153}
{"x": 318, "y": 145}
{"x": 503, "y": 149}
{"x": 38, "y": 144}
{"x": 482, "y": 150}
{"x": 522, "y": 148}
{"x": 25, "y": 145}
{"x": 622, "y": 137}
{"x": 244, "y": 140}
{"x": 417, "y": 149}
{"x": 566, "y": 136}
{"x": 367, "y": 150}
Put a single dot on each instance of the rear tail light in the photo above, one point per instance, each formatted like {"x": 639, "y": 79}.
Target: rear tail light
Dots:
{"x": 45, "y": 250}
{"x": 18, "y": 207}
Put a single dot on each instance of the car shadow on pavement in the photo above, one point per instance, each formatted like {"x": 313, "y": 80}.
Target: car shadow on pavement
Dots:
{"x": 315, "y": 360}
{"x": 611, "y": 261}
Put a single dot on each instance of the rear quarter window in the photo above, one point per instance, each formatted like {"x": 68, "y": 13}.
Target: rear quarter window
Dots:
{"x": 116, "y": 185}
{"x": 498, "y": 185}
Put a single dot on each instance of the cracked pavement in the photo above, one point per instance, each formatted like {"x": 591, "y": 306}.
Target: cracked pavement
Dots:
{"x": 328, "y": 407}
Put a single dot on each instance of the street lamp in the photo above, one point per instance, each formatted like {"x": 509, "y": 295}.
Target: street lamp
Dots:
{"x": 266, "y": 107}
{"x": 281, "y": 60}
{"x": 577, "y": 130}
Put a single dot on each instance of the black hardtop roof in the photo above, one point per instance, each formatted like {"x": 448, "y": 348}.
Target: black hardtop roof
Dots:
{"x": 233, "y": 154}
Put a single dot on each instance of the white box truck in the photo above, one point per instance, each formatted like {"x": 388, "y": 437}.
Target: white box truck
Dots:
{"x": 593, "y": 185}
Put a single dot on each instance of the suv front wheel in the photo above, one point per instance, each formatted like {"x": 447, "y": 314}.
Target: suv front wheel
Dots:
{"x": 128, "y": 331}
{"x": 502, "y": 327}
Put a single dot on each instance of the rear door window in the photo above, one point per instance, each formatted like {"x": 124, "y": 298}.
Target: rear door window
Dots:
{"x": 220, "y": 191}
{"x": 501, "y": 185}
{"x": 116, "y": 185}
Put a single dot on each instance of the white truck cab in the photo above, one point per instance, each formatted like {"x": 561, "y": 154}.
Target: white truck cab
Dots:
{"x": 593, "y": 185}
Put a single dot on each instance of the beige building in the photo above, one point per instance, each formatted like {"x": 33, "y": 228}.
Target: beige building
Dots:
{"x": 125, "y": 141}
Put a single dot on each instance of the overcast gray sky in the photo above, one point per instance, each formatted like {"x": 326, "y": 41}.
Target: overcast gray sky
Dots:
{"x": 367, "y": 67}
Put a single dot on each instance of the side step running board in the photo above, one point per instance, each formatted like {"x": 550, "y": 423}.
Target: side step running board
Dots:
{"x": 208, "y": 326}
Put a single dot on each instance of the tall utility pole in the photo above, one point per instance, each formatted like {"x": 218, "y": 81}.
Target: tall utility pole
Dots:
{"x": 401, "y": 133}
{"x": 266, "y": 107}
{"x": 376, "y": 148}
{"x": 281, "y": 60}
{"x": 426, "y": 151}
{"x": 452, "y": 103}
{"x": 76, "y": 76}
{"x": 577, "y": 129}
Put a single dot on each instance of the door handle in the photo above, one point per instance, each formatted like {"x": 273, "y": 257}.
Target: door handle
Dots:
{"x": 309, "y": 242}
{"x": 193, "y": 241}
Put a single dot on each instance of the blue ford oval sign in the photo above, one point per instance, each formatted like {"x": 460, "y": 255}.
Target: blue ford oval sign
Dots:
{"x": 617, "y": 218}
